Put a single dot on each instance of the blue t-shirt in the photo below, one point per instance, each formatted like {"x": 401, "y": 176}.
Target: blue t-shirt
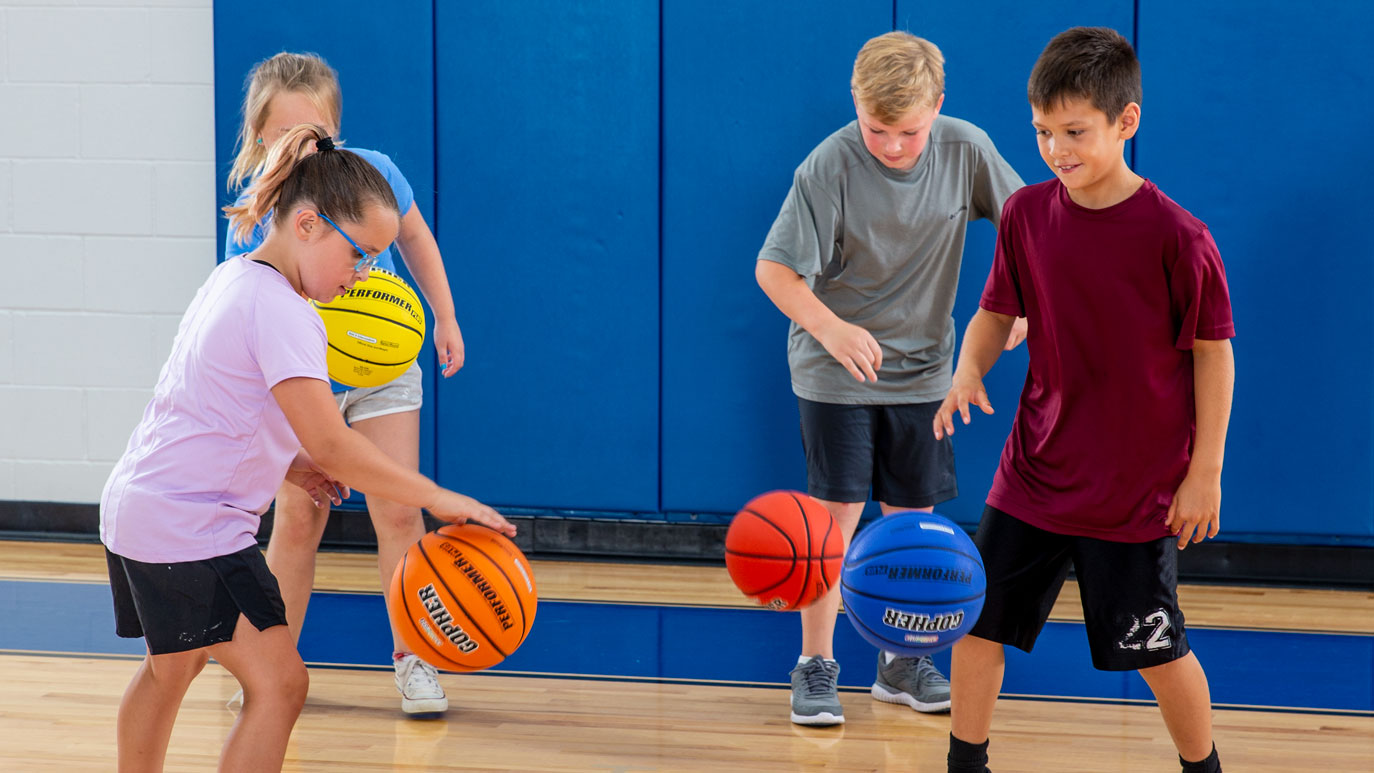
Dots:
{"x": 405, "y": 199}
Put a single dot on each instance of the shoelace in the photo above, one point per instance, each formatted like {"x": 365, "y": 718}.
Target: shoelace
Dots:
{"x": 926, "y": 671}
{"x": 414, "y": 669}
{"x": 817, "y": 674}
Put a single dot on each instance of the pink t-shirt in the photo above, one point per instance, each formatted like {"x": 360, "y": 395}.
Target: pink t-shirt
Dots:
{"x": 1115, "y": 298}
{"x": 213, "y": 446}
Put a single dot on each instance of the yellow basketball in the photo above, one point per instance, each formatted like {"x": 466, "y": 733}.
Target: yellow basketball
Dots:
{"x": 375, "y": 331}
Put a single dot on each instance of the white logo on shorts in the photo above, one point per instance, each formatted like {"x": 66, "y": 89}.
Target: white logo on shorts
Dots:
{"x": 1158, "y": 638}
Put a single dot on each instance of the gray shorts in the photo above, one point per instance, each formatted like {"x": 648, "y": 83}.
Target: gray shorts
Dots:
{"x": 401, "y": 394}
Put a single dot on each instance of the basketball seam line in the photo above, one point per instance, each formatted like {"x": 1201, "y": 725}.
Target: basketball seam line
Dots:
{"x": 873, "y": 597}
{"x": 790, "y": 544}
{"x": 440, "y": 579}
{"x": 388, "y": 320}
{"x": 524, "y": 627}
{"x": 858, "y": 548}
{"x": 371, "y": 362}
{"x": 806, "y": 524}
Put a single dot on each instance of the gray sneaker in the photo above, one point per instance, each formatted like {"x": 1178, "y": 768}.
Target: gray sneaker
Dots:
{"x": 915, "y": 682}
{"x": 815, "y": 701}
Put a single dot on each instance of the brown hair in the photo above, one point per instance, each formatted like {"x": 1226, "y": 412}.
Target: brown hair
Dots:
{"x": 1092, "y": 63}
{"x": 306, "y": 74}
{"x": 338, "y": 183}
{"x": 896, "y": 73}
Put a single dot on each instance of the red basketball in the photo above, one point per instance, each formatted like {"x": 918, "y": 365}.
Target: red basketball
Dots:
{"x": 462, "y": 598}
{"x": 784, "y": 550}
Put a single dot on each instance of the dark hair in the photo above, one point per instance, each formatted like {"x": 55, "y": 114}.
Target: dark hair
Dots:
{"x": 305, "y": 166}
{"x": 1093, "y": 63}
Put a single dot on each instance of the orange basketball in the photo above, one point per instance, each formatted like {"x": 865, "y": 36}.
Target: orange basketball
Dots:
{"x": 462, "y": 598}
{"x": 784, "y": 550}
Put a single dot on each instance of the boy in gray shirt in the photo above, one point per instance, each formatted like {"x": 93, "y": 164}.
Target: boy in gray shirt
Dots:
{"x": 864, "y": 259}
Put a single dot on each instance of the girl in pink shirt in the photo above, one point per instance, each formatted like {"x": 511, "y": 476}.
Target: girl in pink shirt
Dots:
{"x": 242, "y": 404}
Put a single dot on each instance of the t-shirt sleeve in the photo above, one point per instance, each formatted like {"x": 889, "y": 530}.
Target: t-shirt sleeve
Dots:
{"x": 994, "y": 181}
{"x": 289, "y": 339}
{"x": 1002, "y": 292}
{"x": 1198, "y": 292}
{"x": 806, "y": 229}
{"x": 400, "y": 186}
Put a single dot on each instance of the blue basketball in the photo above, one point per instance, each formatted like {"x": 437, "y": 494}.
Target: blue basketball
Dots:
{"x": 912, "y": 583}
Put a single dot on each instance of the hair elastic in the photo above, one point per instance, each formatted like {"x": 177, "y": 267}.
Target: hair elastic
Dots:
{"x": 324, "y": 143}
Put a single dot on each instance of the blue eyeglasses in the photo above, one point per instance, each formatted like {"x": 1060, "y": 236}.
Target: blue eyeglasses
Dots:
{"x": 364, "y": 263}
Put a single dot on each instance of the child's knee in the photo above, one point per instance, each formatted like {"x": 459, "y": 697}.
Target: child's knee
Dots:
{"x": 394, "y": 518}
{"x": 180, "y": 667}
{"x": 297, "y": 517}
{"x": 297, "y": 685}
{"x": 974, "y": 645}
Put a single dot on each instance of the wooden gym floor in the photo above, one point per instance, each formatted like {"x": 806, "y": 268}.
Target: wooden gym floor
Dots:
{"x": 57, "y": 708}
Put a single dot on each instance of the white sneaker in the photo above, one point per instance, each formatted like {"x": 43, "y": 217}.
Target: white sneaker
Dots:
{"x": 418, "y": 683}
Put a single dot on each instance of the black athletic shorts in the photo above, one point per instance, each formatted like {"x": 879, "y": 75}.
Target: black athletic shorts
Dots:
{"x": 1129, "y": 591}
{"x": 193, "y": 604}
{"x": 889, "y": 450}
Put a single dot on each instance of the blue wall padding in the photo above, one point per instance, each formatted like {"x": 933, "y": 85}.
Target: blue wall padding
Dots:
{"x": 601, "y": 177}
{"x": 385, "y": 63}
{"x": 1257, "y": 119}
{"x": 548, "y": 168}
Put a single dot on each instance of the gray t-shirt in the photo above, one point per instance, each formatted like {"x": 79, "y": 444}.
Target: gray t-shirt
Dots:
{"x": 882, "y": 249}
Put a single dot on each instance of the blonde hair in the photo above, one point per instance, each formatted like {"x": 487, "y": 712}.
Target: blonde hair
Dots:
{"x": 306, "y": 74}
{"x": 897, "y": 73}
{"x": 336, "y": 182}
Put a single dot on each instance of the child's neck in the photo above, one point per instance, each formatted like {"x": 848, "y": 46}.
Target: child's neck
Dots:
{"x": 272, "y": 253}
{"x": 1111, "y": 190}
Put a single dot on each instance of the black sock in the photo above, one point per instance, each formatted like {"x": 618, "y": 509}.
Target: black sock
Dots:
{"x": 1210, "y": 765}
{"x": 965, "y": 757}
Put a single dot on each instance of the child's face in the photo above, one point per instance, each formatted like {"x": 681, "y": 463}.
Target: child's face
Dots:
{"x": 329, "y": 268}
{"x": 1082, "y": 146}
{"x": 898, "y": 145}
{"x": 285, "y": 111}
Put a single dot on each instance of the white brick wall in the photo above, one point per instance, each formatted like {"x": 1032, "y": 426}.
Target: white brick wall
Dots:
{"x": 107, "y": 224}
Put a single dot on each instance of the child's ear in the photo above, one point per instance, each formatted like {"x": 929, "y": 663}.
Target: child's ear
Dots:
{"x": 1129, "y": 122}
{"x": 305, "y": 223}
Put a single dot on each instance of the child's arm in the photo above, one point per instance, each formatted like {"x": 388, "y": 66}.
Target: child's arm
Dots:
{"x": 305, "y": 474}
{"x": 345, "y": 454}
{"x": 1195, "y": 513}
{"x": 421, "y": 254}
{"x": 852, "y": 346}
{"x": 983, "y": 341}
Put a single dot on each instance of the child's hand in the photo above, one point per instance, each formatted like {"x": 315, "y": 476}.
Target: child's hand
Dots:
{"x": 964, "y": 391}
{"x": 305, "y": 474}
{"x": 853, "y": 347}
{"x": 448, "y": 344}
{"x": 1018, "y": 334}
{"x": 455, "y": 508}
{"x": 1195, "y": 513}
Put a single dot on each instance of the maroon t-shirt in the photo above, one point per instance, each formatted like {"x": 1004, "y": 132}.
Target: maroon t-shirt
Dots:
{"x": 1114, "y": 298}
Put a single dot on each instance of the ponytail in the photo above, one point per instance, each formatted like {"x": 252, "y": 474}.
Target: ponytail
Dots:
{"x": 304, "y": 166}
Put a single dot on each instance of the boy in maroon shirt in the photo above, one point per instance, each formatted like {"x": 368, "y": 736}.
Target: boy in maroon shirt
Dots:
{"x": 1114, "y": 459}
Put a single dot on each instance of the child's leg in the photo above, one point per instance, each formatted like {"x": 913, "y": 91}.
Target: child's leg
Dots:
{"x": 975, "y": 679}
{"x": 297, "y": 526}
{"x": 1185, "y": 701}
{"x": 818, "y": 620}
{"x": 398, "y": 526}
{"x": 150, "y": 705}
{"x": 274, "y": 683}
